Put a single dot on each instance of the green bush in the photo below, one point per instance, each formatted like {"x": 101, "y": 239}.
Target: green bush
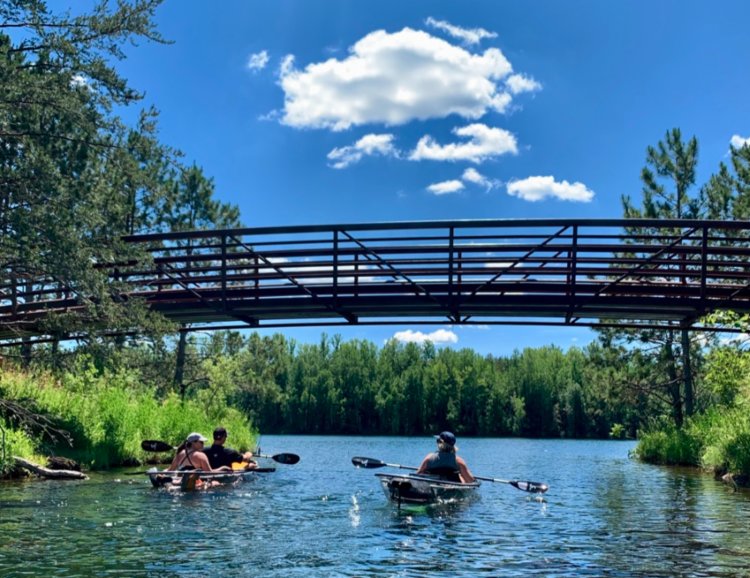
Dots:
{"x": 618, "y": 432}
{"x": 718, "y": 440}
{"x": 727, "y": 441}
{"x": 669, "y": 446}
{"x": 108, "y": 414}
{"x": 17, "y": 443}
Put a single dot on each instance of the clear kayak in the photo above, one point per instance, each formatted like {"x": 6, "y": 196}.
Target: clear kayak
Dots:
{"x": 190, "y": 481}
{"x": 422, "y": 489}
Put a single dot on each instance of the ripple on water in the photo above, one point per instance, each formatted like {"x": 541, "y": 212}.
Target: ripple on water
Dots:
{"x": 605, "y": 515}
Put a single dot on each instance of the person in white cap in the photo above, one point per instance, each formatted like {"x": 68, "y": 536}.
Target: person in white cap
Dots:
{"x": 191, "y": 457}
{"x": 444, "y": 462}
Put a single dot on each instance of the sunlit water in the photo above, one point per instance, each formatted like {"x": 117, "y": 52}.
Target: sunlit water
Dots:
{"x": 605, "y": 515}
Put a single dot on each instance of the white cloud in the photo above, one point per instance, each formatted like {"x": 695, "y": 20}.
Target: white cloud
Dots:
{"x": 736, "y": 340}
{"x": 258, "y": 61}
{"x": 467, "y": 35}
{"x": 286, "y": 66}
{"x": 518, "y": 83}
{"x": 79, "y": 80}
{"x": 368, "y": 145}
{"x": 484, "y": 142}
{"x": 738, "y": 142}
{"x": 471, "y": 175}
{"x": 439, "y": 336}
{"x": 446, "y": 187}
{"x": 394, "y": 79}
{"x": 539, "y": 188}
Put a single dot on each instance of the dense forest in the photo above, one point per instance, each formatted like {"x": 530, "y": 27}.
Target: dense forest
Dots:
{"x": 76, "y": 177}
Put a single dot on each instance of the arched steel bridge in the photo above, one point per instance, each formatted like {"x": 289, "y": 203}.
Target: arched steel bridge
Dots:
{"x": 640, "y": 273}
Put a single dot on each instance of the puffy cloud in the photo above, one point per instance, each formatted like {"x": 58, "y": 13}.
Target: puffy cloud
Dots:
{"x": 258, "y": 61}
{"x": 446, "y": 187}
{"x": 368, "y": 145}
{"x": 79, "y": 80}
{"x": 394, "y": 79}
{"x": 440, "y": 336}
{"x": 484, "y": 142}
{"x": 539, "y": 188}
{"x": 518, "y": 83}
{"x": 738, "y": 142}
{"x": 466, "y": 35}
{"x": 471, "y": 175}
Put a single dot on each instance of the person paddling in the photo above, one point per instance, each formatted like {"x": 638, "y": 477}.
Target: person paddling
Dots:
{"x": 220, "y": 456}
{"x": 444, "y": 462}
{"x": 190, "y": 455}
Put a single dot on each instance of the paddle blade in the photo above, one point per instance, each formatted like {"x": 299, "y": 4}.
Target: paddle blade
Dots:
{"x": 290, "y": 459}
{"x": 533, "y": 487}
{"x": 156, "y": 446}
{"x": 368, "y": 463}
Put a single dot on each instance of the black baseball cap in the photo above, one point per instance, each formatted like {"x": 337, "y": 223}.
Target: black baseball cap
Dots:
{"x": 219, "y": 433}
{"x": 447, "y": 437}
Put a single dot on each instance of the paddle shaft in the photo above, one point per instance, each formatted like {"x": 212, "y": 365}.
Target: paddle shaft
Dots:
{"x": 475, "y": 477}
{"x": 203, "y": 474}
{"x": 536, "y": 487}
{"x": 160, "y": 446}
{"x": 233, "y": 472}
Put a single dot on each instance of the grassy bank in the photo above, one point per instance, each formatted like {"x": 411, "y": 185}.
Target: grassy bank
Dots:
{"x": 106, "y": 416}
{"x": 718, "y": 440}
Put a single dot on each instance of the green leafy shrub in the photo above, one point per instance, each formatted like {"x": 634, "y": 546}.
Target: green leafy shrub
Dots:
{"x": 618, "y": 432}
{"x": 718, "y": 440}
{"x": 108, "y": 415}
{"x": 669, "y": 446}
{"x": 727, "y": 441}
{"x": 17, "y": 443}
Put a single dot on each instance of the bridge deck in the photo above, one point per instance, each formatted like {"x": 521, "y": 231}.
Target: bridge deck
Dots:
{"x": 574, "y": 272}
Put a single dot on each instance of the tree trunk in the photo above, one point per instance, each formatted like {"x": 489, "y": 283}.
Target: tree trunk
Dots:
{"x": 48, "y": 473}
{"x": 26, "y": 349}
{"x": 687, "y": 373}
{"x": 674, "y": 382}
{"x": 179, "y": 372}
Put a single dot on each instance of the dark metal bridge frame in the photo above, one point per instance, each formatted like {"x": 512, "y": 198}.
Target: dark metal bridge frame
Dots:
{"x": 604, "y": 272}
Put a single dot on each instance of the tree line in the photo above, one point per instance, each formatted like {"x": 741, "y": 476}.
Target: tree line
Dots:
{"x": 337, "y": 386}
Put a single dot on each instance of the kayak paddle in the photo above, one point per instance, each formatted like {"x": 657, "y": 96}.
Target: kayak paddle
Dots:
{"x": 181, "y": 472}
{"x": 533, "y": 487}
{"x": 159, "y": 446}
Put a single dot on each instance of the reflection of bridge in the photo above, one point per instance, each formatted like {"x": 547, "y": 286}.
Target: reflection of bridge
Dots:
{"x": 549, "y": 272}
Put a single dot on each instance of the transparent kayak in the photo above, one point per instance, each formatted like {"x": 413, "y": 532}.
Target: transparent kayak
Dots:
{"x": 190, "y": 481}
{"x": 421, "y": 489}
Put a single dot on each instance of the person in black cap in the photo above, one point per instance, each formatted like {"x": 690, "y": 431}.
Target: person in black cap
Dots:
{"x": 220, "y": 456}
{"x": 445, "y": 463}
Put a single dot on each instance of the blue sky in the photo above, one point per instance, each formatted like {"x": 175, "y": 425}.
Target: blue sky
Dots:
{"x": 339, "y": 111}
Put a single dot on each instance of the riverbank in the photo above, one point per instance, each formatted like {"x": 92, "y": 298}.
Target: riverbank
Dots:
{"x": 717, "y": 441}
{"x": 98, "y": 419}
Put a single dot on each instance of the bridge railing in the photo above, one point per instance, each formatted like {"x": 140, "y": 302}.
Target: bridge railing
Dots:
{"x": 499, "y": 271}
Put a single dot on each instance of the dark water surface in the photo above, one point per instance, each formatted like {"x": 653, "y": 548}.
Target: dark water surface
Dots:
{"x": 605, "y": 515}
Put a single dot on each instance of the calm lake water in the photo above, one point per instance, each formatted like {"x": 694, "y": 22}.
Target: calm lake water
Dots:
{"x": 605, "y": 515}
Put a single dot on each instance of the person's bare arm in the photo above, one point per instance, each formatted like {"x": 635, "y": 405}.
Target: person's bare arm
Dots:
{"x": 466, "y": 476}
{"x": 423, "y": 466}
{"x": 175, "y": 461}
